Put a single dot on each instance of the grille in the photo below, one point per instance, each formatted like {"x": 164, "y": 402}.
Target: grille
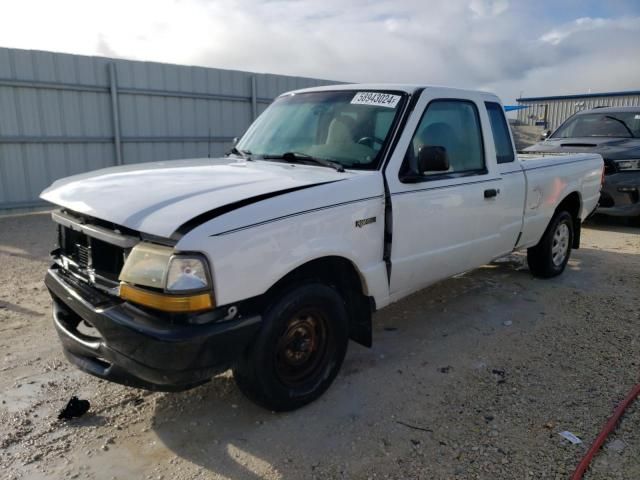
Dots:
{"x": 102, "y": 258}
{"x": 83, "y": 255}
{"x": 75, "y": 246}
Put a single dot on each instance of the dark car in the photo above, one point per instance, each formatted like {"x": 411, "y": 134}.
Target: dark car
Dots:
{"x": 614, "y": 133}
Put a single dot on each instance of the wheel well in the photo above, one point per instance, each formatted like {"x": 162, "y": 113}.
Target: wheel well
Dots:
{"x": 572, "y": 203}
{"x": 341, "y": 274}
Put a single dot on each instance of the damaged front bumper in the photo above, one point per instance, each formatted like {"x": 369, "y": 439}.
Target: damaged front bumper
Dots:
{"x": 120, "y": 342}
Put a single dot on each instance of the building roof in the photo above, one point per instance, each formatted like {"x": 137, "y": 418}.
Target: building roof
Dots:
{"x": 629, "y": 109}
{"x": 579, "y": 96}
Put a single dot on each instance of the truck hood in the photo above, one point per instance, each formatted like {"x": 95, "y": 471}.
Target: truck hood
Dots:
{"x": 609, "y": 148}
{"x": 158, "y": 198}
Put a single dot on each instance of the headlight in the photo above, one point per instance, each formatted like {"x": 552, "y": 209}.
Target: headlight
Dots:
{"x": 625, "y": 165}
{"x": 186, "y": 274}
{"x": 179, "y": 283}
{"x": 147, "y": 265}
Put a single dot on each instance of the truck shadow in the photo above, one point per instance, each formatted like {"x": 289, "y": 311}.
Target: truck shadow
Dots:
{"x": 215, "y": 427}
{"x": 4, "y": 305}
{"x": 613, "y": 224}
{"x": 421, "y": 345}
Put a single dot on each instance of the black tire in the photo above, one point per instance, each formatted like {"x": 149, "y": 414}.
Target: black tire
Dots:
{"x": 550, "y": 256}
{"x": 298, "y": 351}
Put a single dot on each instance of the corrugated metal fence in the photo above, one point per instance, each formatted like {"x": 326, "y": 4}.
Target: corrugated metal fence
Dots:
{"x": 64, "y": 114}
{"x": 550, "y": 112}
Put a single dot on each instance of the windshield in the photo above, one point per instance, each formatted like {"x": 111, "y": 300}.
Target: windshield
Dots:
{"x": 601, "y": 124}
{"x": 347, "y": 127}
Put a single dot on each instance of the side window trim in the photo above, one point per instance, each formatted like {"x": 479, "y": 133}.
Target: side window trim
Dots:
{"x": 447, "y": 175}
{"x": 506, "y": 130}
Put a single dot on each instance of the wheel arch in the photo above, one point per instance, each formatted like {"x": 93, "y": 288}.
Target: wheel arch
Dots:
{"x": 342, "y": 274}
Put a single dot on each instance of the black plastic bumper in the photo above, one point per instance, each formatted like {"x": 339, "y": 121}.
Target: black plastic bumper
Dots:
{"x": 133, "y": 347}
{"x": 620, "y": 195}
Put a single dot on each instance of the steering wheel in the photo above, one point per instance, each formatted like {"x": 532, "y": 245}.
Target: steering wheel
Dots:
{"x": 370, "y": 141}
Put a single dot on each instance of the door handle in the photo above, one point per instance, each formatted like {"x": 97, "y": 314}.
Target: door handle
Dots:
{"x": 491, "y": 192}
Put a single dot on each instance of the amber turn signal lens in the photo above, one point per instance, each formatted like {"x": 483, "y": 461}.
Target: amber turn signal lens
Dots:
{"x": 166, "y": 302}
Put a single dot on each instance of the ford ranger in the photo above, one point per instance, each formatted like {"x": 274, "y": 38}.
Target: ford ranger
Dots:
{"x": 336, "y": 202}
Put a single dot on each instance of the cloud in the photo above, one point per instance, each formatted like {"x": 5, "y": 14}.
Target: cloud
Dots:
{"x": 104, "y": 49}
{"x": 503, "y": 46}
{"x": 590, "y": 26}
{"x": 493, "y": 8}
{"x": 586, "y": 54}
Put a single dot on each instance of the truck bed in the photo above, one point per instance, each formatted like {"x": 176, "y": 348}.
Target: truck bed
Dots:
{"x": 549, "y": 179}
{"x": 530, "y": 156}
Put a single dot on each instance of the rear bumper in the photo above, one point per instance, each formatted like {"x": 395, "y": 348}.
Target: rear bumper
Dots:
{"x": 620, "y": 195}
{"x": 133, "y": 347}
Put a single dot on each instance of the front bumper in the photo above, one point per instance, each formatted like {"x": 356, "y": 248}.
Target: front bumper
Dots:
{"x": 620, "y": 195}
{"x": 134, "y": 347}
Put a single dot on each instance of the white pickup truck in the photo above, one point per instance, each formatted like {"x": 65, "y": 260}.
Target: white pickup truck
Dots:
{"x": 336, "y": 202}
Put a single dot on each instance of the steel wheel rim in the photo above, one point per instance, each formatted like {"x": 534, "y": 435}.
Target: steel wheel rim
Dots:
{"x": 560, "y": 244}
{"x": 302, "y": 348}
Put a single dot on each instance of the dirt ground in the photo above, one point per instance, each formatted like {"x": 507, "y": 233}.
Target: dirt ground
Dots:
{"x": 472, "y": 378}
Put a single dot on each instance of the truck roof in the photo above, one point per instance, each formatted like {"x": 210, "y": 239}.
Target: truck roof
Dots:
{"x": 402, "y": 87}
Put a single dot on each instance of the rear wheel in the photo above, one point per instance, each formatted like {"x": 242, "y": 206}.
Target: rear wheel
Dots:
{"x": 550, "y": 256}
{"x": 299, "y": 350}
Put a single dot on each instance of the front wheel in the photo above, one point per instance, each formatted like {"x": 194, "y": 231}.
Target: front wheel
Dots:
{"x": 550, "y": 256}
{"x": 299, "y": 350}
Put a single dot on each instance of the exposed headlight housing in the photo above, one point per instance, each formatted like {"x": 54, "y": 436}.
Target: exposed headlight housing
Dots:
{"x": 187, "y": 273}
{"x": 174, "y": 282}
{"x": 626, "y": 165}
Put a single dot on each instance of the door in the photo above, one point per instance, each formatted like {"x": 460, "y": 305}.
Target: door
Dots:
{"x": 449, "y": 221}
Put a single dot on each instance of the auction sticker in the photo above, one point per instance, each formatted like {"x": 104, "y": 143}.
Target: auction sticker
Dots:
{"x": 376, "y": 99}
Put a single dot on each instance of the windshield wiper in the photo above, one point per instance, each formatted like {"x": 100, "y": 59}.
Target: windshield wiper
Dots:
{"x": 297, "y": 157}
{"x": 246, "y": 154}
{"x": 624, "y": 124}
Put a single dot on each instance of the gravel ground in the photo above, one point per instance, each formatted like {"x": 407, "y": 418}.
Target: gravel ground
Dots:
{"x": 472, "y": 378}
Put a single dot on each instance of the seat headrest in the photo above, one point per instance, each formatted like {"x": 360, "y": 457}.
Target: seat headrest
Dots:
{"x": 340, "y": 131}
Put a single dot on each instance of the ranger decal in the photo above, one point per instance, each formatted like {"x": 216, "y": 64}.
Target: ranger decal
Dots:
{"x": 365, "y": 221}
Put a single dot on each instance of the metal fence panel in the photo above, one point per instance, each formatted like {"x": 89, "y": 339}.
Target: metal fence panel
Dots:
{"x": 63, "y": 114}
{"x": 555, "y": 110}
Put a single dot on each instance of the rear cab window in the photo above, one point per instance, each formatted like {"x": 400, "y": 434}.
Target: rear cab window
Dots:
{"x": 500, "y": 131}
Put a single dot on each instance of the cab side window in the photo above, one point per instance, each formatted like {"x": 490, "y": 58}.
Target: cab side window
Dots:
{"x": 455, "y": 126}
{"x": 500, "y": 129}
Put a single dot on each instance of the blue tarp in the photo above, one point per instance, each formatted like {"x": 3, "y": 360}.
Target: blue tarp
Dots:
{"x": 510, "y": 108}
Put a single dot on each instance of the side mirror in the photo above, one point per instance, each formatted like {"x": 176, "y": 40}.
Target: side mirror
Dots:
{"x": 235, "y": 141}
{"x": 432, "y": 158}
{"x": 545, "y": 135}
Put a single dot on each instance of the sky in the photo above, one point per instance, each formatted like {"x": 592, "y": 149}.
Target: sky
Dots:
{"x": 512, "y": 48}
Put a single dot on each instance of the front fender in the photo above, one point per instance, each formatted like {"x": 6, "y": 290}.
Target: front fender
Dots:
{"x": 247, "y": 261}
